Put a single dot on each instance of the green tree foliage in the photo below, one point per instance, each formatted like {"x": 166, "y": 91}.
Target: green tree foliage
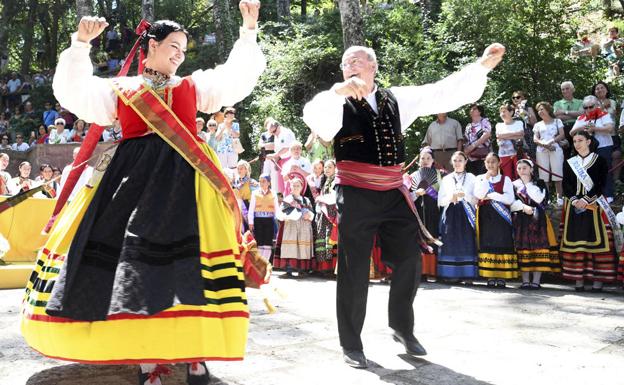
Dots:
{"x": 538, "y": 35}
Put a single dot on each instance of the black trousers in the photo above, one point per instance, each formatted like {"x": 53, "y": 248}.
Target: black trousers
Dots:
{"x": 362, "y": 214}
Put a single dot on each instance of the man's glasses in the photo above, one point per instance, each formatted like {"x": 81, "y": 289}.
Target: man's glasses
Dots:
{"x": 516, "y": 97}
{"x": 588, "y": 107}
{"x": 352, "y": 63}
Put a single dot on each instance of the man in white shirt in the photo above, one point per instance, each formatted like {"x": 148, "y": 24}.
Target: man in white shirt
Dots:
{"x": 367, "y": 125}
{"x": 19, "y": 144}
{"x": 284, "y": 137}
{"x": 296, "y": 163}
{"x": 14, "y": 85}
{"x": 444, "y": 136}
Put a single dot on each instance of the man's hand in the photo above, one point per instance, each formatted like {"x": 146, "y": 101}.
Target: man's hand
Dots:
{"x": 90, "y": 27}
{"x": 249, "y": 9}
{"x": 352, "y": 88}
{"x": 492, "y": 55}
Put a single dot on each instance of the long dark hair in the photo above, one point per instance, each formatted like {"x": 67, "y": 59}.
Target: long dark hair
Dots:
{"x": 159, "y": 31}
{"x": 593, "y": 145}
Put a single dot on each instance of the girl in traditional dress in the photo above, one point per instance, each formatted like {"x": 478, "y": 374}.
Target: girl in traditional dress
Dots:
{"x": 148, "y": 256}
{"x": 263, "y": 208}
{"x": 316, "y": 178}
{"x": 326, "y": 231}
{"x": 425, "y": 185}
{"x": 297, "y": 213}
{"x": 457, "y": 257}
{"x": 497, "y": 258}
{"x": 22, "y": 181}
{"x": 535, "y": 240}
{"x": 46, "y": 173}
{"x": 243, "y": 185}
{"x": 587, "y": 248}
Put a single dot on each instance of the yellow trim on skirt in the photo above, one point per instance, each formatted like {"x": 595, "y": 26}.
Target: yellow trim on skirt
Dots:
{"x": 178, "y": 334}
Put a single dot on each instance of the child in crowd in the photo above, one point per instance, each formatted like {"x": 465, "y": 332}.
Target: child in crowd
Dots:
{"x": 315, "y": 179}
{"x": 535, "y": 240}
{"x": 296, "y": 248}
{"x": 457, "y": 257}
{"x": 425, "y": 185}
{"x": 263, "y": 208}
{"x": 497, "y": 258}
{"x": 326, "y": 225}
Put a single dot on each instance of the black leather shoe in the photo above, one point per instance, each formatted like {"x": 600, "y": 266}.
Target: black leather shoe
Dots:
{"x": 192, "y": 379}
{"x": 355, "y": 358}
{"x": 412, "y": 346}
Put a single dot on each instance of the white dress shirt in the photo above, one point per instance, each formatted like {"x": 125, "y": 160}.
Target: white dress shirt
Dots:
{"x": 323, "y": 114}
{"x": 92, "y": 98}
{"x": 482, "y": 186}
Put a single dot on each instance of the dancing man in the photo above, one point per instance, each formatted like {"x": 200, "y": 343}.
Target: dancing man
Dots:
{"x": 143, "y": 266}
{"x": 366, "y": 123}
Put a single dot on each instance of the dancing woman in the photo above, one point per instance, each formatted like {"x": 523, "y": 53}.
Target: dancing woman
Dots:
{"x": 143, "y": 267}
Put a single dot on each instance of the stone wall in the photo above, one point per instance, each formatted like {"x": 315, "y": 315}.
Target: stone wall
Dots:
{"x": 58, "y": 155}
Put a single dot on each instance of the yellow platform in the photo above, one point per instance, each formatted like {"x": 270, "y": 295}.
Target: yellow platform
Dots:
{"x": 15, "y": 275}
{"x": 22, "y": 225}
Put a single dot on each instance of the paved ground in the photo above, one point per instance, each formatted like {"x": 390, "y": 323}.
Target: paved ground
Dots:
{"x": 474, "y": 335}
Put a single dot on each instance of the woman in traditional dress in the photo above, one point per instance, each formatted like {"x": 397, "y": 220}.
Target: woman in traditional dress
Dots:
{"x": 425, "y": 185}
{"x": 497, "y": 258}
{"x": 535, "y": 241}
{"x": 587, "y": 248}
{"x": 326, "y": 231}
{"x": 149, "y": 256}
{"x": 296, "y": 243}
{"x": 457, "y": 257}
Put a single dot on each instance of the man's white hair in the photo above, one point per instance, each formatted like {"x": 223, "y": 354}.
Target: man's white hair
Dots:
{"x": 567, "y": 83}
{"x": 359, "y": 48}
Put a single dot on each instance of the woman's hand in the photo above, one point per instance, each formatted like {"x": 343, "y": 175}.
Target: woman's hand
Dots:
{"x": 90, "y": 27}
{"x": 420, "y": 192}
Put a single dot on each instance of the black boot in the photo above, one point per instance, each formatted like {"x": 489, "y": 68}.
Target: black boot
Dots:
{"x": 193, "y": 379}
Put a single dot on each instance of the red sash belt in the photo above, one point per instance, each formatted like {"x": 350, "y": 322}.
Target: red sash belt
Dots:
{"x": 379, "y": 178}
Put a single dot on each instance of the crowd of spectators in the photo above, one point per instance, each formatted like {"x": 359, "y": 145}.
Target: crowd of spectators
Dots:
{"x": 542, "y": 133}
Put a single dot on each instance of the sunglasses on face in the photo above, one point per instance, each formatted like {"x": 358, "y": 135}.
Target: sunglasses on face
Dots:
{"x": 515, "y": 97}
{"x": 212, "y": 125}
{"x": 588, "y": 107}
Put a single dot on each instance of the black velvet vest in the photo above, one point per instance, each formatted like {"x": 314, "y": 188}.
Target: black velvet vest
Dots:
{"x": 371, "y": 137}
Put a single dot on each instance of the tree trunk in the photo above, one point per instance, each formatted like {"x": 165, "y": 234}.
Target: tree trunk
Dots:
{"x": 83, "y": 8}
{"x": 9, "y": 10}
{"x": 283, "y": 9}
{"x": 304, "y": 9}
{"x": 147, "y": 10}
{"x": 224, "y": 28}
{"x": 57, "y": 13}
{"x": 28, "y": 36}
{"x": 352, "y": 23}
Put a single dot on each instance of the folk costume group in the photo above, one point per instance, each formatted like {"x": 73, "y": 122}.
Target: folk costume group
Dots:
{"x": 143, "y": 266}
